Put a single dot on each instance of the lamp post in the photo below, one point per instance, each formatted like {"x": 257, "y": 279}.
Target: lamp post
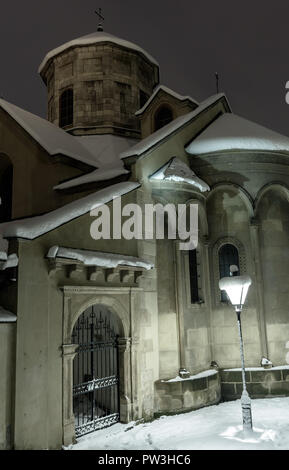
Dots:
{"x": 236, "y": 288}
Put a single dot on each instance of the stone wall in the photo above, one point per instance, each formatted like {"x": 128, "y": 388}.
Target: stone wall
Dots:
{"x": 188, "y": 394}
{"x": 260, "y": 383}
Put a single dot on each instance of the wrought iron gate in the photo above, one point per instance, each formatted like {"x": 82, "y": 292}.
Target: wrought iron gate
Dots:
{"x": 95, "y": 372}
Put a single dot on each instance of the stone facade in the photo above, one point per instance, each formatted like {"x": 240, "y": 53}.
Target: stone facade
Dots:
{"x": 107, "y": 81}
{"x": 161, "y": 329}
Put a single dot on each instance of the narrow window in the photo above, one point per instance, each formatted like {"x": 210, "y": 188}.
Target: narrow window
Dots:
{"x": 66, "y": 108}
{"x": 6, "y": 185}
{"x": 162, "y": 117}
{"x": 228, "y": 255}
{"x": 143, "y": 97}
{"x": 122, "y": 103}
{"x": 194, "y": 276}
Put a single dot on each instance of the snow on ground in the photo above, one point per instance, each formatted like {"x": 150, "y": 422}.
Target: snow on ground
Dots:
{"x": 215, "y": 427}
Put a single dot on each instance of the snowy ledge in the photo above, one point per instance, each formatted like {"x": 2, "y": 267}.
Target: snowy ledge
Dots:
{"x": 200, "y": 375}
{"x": 258, "y": 368}
{"x": 6, "y": 316}
{"x": 97, "y": 258}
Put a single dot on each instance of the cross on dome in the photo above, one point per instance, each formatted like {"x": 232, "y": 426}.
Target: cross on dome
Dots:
{"x": 100, "y": 26}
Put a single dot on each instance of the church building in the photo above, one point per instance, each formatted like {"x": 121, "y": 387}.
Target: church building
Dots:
{"x": 97, "y": 331}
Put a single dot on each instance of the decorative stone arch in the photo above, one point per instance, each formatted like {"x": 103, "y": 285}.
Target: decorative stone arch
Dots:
{"x": 244, "y": 195}
{"x": 215, "y": 259}
{"x": 118, "y": 300}
{"x": 276, "y": 186}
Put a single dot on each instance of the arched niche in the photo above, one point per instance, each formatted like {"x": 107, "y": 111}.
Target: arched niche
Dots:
{"x": 229, "y": 210}
{"x": 272, "y": 214}
{"x": 163, "y": 115}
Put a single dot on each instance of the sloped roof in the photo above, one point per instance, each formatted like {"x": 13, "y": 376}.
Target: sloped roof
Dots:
{"x": 161, "y": 134}
{"x": 232, "y": 132}
{"x": 166, "y": 90}
{"x": 34, "y": 227}
{"x": 106, "y": 149}
{"x": 52, "y": 138}
{"x": 93, "y": 38}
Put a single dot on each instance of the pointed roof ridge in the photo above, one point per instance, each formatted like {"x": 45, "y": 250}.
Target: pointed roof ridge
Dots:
{"x": 167, "y": 90}
{"x": 93, "y": 38}
{"x": 233, "y": 132}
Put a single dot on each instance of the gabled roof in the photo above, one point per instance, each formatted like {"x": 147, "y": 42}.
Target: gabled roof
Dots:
{"x": 53, "y": 139}
{"x": 169, "y": 92}
{"x": 94, "y": 38}
{"x": 34, "y": 227}
{"x": 231, "y": 132}
{"x": 161, "y": 134}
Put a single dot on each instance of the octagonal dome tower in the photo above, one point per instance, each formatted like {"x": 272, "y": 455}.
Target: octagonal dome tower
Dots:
{"x": 96, "y": 83}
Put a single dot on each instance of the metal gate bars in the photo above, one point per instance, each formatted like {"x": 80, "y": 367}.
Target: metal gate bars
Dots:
{"x": 95, "y": 372}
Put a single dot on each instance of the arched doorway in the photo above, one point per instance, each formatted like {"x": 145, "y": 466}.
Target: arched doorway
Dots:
{"x": 96, "y": 370}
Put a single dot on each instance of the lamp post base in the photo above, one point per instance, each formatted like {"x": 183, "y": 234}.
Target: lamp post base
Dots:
{"x": 246, "y": 411}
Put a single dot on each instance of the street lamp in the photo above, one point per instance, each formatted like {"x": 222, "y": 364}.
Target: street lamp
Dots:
{"x": 236, "y": 288}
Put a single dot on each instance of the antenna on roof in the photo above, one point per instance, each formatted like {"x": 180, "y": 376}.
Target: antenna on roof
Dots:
{"x": 100, "y": 26}
{"x": 217, "y": 81}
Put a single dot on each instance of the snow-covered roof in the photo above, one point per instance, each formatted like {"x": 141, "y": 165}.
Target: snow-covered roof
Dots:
{"x": 6, "y": 316}
{"x": 97, "y": 258}
{"x": 161, "y": 134}
{"x": 97, "y": 175}
{"x": 94, "y": 38}
{"x": 33, "y": 227}
{"x": 166, "y": 90}
{"x": 178, "y": 171}
{"x": 106, "y": 150}
{"x": 231, "y": 132}
{"x": 52, "y": 138}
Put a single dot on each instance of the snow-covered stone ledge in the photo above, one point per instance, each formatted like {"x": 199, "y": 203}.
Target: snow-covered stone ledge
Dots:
{"x": 97, "y": 266}
{"x": 178, "y": 395}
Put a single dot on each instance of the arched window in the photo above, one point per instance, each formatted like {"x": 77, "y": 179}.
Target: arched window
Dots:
{"x": 228, "y": 255}
{"x": 162, "y": 117}
{"x": 66, "y": 108}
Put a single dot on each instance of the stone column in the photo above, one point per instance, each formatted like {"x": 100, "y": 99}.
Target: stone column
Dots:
{"x": 134, "y": 378}
{"x": 68, "y": 354}
{"x": 207, "y": 291}
{"x": 179, "y": 305}
{"x": 125, "y": 392}
{"x": 254, "y": 231}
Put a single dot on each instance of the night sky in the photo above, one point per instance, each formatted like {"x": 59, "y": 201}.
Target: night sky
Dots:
{"x": 247, "y": 42}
